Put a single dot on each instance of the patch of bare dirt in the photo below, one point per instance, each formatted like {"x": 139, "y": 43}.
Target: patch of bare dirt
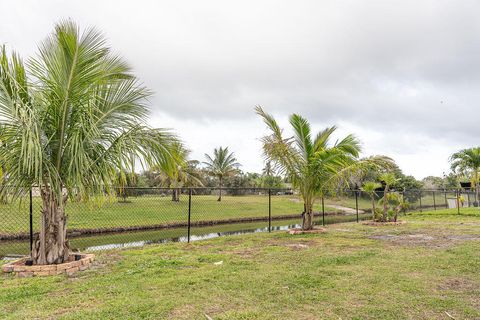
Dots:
{"x": 378, "y": 223}
{"x": 297, "y": 246}
{"x": 463, "y": 237}
{"x": 459, "y": 284}
{"x": 315, "y": 230}
{"x": 294, "y": 245}
{"x": 421, "y": 239}
{"x": 246, "y": 253}
{"x": 103, "y": 261}
{"x": 407, "y": 239}
{"x": 182, "y": 312}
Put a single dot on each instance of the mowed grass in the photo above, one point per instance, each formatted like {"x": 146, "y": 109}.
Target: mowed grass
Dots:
{"x": 425, "y": 269}
{"x": 152, "y": 210}
{"x": 155, "y": 209}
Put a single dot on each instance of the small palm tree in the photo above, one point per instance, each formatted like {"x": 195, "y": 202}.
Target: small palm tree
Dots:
{"x": 71, "y": 123}
{"x": 314, "y": 166}
{"x": 125, "y": 180}
{"x": 222, "y": 164}
{"x": 467, "y": 161}
{"x": 185, "y": 173}
{"x": 370, "y": 188}
{"x": 388, "y": 179}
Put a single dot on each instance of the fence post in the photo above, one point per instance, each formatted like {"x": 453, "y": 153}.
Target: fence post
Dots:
{"x": 356, "y": 202}
{"x": 446, "y": 201}
{"x": 420, "y": 201}
{"x": 269, "y": 210}
{"x": 31, "y": 220}
{"x": 189, "y": 212}
{"x": 323, "y": 212}
{"x": 458, "y": 201}
{"x": 434, "y": 203}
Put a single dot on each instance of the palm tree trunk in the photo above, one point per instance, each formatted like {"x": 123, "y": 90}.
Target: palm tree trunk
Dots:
{"x": 176, "y": 195}
{"x": 51, "y": 245}
{"x": 220, "y": 195}
{"x": 307, "y": 223}
{"x": 373, "y": 207}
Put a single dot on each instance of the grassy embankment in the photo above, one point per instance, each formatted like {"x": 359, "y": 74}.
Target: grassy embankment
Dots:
{"x": 425, "y": 269}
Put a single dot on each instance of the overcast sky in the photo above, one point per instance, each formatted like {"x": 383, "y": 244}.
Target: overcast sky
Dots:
{"x": 404, "y": 76}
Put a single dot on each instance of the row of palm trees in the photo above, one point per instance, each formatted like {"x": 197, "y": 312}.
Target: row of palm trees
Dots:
{"x": 73, "y": 120}
{"x": 220, "y": 165}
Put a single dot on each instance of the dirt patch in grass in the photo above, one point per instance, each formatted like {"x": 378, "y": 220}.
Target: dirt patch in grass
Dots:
{"x": 382, "y": 224}
{"x": 299, "y": 243}
{"x": 182, "y": 312}
{"x": 103, "y": 262}
{"x": 434, "y": 241}
{"x": 297, "y": 246}
{"x": 459, "y": 284}
{"x": 246, "y": 253}
{"x": 463, "y": 237}
{"x": 412, "y": 240}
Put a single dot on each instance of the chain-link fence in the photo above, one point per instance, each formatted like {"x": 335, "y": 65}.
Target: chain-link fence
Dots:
{"x": 138, "y": 216}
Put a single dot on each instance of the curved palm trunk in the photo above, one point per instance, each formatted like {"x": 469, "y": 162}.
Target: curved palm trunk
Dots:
{"x": 51, "y": 245}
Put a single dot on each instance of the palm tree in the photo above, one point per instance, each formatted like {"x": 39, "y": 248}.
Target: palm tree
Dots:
{"x": 314, "y": 166}
{"x": 125, "y": 181}
{"x": 388, "y": 179}
{"x": 370, "y": 188}
{"x": 222, "y": 164}
{"x": 467, "y": 161}
{"x": 71, "y": 124}
{"x": 268, "y": 169}
{"x": 185, "y": 173}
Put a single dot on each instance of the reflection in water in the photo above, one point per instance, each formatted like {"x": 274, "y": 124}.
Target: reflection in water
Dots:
{"x": 141, "y": 237}
{"x": 192, "y": 238}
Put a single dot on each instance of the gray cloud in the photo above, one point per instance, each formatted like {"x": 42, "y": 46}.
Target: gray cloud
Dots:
{"x": 404, "y": 74}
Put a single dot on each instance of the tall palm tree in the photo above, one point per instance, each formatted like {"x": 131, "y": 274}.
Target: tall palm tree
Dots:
{"x": 467, "y": 161}
{"x": 370, "y": 188}
{"x": 222, "y": 164}
{"x": 71, "y": 124}
{"x": 314, "y": 166}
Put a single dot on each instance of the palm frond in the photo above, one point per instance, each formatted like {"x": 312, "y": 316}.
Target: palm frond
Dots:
{"x": 81, "y": 120}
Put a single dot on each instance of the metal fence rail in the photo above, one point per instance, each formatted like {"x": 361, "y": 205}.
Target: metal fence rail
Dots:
{"x": 137, "y": 216}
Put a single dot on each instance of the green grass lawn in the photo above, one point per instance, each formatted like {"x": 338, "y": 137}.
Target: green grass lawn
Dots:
{"x": 154, "y": 209}
{"x": 150, "y": 210}
{"x": 425, "y": 269}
